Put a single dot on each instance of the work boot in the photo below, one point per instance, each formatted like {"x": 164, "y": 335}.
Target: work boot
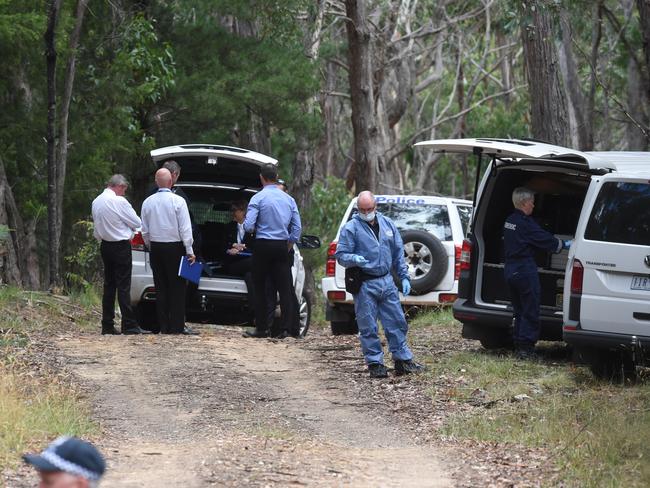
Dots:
{"x": 377, "y": 370}
{"x": 526, "y": 354}
{"x": 407, "y": 367}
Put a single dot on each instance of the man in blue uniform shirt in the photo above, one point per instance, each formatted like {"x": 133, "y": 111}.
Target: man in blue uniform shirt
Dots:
{"x": 371, "y": 242}
{"x": 273, "y": 216}
{"x": 522, "y": 236}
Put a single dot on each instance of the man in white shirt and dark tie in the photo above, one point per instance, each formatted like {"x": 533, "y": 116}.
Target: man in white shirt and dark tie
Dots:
{"x": 115, "y": 222}
{"x": 167, "y": 231}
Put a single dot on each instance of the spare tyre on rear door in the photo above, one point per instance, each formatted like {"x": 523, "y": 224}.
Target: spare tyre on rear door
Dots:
{"x": 426, "y": 258}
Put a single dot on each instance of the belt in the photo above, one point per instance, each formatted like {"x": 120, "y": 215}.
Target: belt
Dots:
{"x": 115, "y": 242}
{"x": 367, "y": 277}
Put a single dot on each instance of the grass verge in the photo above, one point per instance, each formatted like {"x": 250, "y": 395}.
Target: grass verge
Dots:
{"x": 36, "y": 404}
{"x": 595, "y": 432}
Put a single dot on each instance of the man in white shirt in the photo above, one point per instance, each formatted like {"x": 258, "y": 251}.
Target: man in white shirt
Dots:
{"x": 167, "y": 231}
{"x": 115, "y": 221}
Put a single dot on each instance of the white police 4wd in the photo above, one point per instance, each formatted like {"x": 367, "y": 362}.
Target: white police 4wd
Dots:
{"x": 212, "y": 177}
{"x": 597, "y": 294}
{"x": 432, "y": 229}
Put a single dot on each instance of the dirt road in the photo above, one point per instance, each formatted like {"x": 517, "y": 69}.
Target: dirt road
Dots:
{"x": 219, "y": 409}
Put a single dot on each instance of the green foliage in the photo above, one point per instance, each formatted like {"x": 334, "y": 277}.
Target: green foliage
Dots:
{"x": 328, "y": 203}
{"x": 84, "y": 264}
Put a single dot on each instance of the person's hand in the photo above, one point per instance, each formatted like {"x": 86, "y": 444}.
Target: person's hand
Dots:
{"x": 359, "y": 260}
{"x": 239, "y": 247}
{"x": 191, "y": 258}
{"x": 567, "y": 244}
{"x": 232, "y": 251}
{"x": 406, "y": 287}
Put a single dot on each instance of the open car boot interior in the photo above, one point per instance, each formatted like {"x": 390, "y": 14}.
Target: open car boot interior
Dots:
{"x": 211, "y": 211}
{"x": 558, "y": 201}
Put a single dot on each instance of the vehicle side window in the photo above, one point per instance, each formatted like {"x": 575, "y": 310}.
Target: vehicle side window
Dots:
{"x": 465, "y": 214}
{"x": 621, "y": 214}
{"x": 432, "y": 218}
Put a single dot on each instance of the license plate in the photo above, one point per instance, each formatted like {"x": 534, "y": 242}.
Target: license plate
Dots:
{"x": 640, "y": 283}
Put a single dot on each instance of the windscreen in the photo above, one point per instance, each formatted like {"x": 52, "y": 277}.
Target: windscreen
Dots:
{"x": 621, "y": 214}
{"x": 429, "y": 217}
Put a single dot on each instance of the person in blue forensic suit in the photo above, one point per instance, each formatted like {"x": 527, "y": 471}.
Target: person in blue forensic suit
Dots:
{"x": 522, "y": 236}
{"x": 371, "y": 242}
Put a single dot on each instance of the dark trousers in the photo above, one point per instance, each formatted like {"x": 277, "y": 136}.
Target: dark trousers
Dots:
{"x": 525, "y": 293}
{"x": 272, "y": 298}
{"x": 270, "y": 261}
{"x": 243, "y": 266}
{"x": 117, "y": 278}
{"x": 170, "y": 288}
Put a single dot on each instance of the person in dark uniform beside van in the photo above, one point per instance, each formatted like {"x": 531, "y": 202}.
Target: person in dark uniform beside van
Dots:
{"x": 522, "y": 236}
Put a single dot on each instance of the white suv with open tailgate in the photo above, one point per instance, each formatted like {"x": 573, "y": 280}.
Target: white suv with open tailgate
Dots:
{"x": 597, "y": 294}
{"x": 432, "y": 229}
{"x": 213, "y": 177}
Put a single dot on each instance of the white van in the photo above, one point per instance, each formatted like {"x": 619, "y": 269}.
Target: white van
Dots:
{"x": 432, "y": 229}
{"x": 596, "y": 295}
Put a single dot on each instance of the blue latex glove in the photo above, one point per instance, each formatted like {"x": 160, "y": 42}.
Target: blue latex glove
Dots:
{"x": 567, "y": 244}
{"x": 406, "y": 287}
{"x": 360, "y": 260}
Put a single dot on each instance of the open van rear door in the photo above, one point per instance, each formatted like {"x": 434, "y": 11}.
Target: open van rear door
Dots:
{"x": 205, "y": 163}
{"x": 515, "y": 149}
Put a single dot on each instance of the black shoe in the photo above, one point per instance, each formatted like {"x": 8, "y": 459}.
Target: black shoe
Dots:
{"x": 407, "y": 367}
{"x": 188, "y": 331}
{"x": 258, "y": 334}
{"x": 526, "y": 355}
{"x": 135, "y": 330}
{"x": 282, "y": 335}
{"x": 111, "y": 331}
{"x": 377, "y": 370}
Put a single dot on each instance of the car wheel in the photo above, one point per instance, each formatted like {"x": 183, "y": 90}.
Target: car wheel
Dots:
{"x": 304, "y": 309}
{"x": 346, "y": 327}
{"x": 614, "y": 366}
{"x": 145, "y": 314}
{"x": 426, "y": 259}
{"x": 497, "y": 341}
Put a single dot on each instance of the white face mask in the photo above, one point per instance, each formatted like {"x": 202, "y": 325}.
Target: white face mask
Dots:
{"x": 369, "y": 217}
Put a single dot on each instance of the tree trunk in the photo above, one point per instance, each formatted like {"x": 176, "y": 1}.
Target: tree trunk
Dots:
{"x": 550, "y": 121}
{"x": 637, "y": 100}
{"x": 644, "y": 24}
{"x": 360, "y": 73}
{"x": 54, "y": 232}
{"x": 62, "y": 157}
{"x": 19, "y": 259}
{"x": 579, "y": 119}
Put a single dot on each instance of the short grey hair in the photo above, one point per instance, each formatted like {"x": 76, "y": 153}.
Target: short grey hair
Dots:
{"x": 521, "y": 195}
{"x": 172, "y": 166}
{"x": 118, "y": 180}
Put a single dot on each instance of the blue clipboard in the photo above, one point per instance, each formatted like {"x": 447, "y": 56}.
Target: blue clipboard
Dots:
{"x": 191, "y": 272}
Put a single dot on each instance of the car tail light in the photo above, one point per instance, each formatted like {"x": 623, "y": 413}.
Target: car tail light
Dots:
{"x": 577, "y": 278}
{"x": 465, "y": 255}
{"x": 137, "y": 243}
{"x": 447, "y": 297}
{"x": 330, "y": 267}
{"x": 577, "y": 275}
{"x": 336, "y": 296}
{"x": 457, "y": 254}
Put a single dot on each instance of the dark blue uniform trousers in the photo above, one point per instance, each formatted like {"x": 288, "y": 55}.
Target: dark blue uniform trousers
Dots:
{"x": 525, "y": 292}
